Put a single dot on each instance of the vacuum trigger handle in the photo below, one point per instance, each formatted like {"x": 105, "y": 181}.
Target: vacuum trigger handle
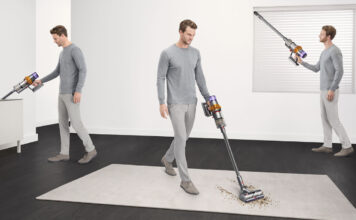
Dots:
{"x": 35, "y": 88}
{"x": 295, "y": 61}
{"x": 207, "y": 112}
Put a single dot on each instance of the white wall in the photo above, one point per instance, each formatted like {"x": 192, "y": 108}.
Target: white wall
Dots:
{"x": 18, "y": 49}
{"x": 122, "y": 41}
{"x": 49, "y": 13}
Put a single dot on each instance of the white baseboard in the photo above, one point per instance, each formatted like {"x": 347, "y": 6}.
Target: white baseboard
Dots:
{"x": 28, "y": 138}
{"x": 293, "y": 137}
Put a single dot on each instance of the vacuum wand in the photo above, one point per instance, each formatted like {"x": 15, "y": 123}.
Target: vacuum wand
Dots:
{"x": 231, "y": 155}
{"x": 26, "y": 83}
{"x": 293, "y": 47}
{"x": 214, "y": 109}
{"x": 8, "y": 95}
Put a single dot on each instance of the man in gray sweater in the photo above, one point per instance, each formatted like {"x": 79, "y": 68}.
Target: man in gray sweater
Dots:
{"x": 331, "y": 71}
{"x": 180, "y": 64}
{"x": 71, "y": 69}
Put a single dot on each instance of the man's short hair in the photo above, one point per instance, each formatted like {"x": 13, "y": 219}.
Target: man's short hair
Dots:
{"x": 187, "y": 23}
{"x": 330, "y": 31}
{"x": 59, "y": 30}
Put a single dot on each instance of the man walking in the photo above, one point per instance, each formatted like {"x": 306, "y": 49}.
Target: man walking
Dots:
{"x": 72, "y": 71}
{"x": 180, "y": 64}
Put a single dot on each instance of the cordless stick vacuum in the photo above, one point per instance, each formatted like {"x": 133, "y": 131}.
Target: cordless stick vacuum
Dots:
{"x": 214, "y": 110}
{"x": 26, "y": 83}
{"x": 293, "y": 47}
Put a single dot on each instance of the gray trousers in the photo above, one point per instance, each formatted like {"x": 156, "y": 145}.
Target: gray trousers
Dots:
{"x": 330, "y": 120}
{"x": 182, "y": 118}
{"x": 68, "y": 110}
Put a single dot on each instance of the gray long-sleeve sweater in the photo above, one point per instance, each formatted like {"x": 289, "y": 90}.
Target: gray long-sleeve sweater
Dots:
{"x": 72, "y": 70}
{"x": 181, "y": 67}
{"x": 330, "y": 66}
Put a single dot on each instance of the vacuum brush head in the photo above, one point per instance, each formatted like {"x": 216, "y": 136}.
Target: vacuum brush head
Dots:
{"x": 251, "y": 195}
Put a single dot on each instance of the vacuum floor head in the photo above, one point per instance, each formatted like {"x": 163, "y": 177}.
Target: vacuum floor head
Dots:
{"x": 251, "y": 195}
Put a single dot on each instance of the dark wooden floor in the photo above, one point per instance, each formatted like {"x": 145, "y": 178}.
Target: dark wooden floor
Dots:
{"x": 25, "y": 176}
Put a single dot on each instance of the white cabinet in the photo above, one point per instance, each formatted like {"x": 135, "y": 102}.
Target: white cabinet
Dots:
{"x": 11, "y": 122}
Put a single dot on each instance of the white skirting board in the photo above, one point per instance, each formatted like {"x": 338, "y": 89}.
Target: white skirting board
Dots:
{"x": 259, "y": 136}
{"x": 287, "y": 195}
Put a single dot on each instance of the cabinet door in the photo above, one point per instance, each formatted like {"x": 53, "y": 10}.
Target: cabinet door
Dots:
{"x": 11, "y": 121}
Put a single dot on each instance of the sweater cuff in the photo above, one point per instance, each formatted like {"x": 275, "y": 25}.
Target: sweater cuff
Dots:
{"x": 78, "y": 90}
{"x": 43, "y": 80}
{"x": 333, "y": 88}
{"x": 207, "y": 97}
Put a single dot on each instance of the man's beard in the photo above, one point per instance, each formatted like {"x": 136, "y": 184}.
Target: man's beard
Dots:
{"x": 186, "y": 42}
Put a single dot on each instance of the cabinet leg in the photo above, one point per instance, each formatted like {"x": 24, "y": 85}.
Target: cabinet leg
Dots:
{"x": 18, "y": 147}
